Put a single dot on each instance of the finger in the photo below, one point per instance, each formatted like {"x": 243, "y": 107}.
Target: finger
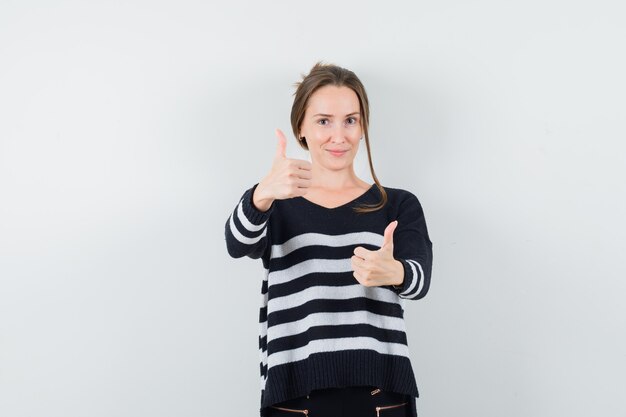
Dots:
{"x": 356, "y": 263}
{"x": 281, "y": 148}
{"x": 388, "y": 235}
{"x": 361, "y": 252}
{"x": 304, "y": 173}
{"x": 302, "y": 164}
{"x": 302, "y": 182}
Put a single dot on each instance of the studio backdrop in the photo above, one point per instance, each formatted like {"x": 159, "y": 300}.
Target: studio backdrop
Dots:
{"x": 129, "y": 131}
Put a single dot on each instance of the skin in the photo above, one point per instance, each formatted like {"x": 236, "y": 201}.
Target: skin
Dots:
{"x": 331, "y": 122}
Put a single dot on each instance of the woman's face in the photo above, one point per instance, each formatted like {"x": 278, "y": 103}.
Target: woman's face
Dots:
{"x": 332, "y": 122}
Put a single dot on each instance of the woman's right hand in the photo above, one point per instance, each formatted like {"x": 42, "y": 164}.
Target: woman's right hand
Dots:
{"x": 287, "y": 178}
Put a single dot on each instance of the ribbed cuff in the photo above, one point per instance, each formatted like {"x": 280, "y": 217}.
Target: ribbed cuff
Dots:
{"x": 252, "y": 213}
{"x": 408, "y": 278}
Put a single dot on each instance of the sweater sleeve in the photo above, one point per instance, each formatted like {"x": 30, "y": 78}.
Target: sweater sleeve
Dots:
{"x": 413, "y": 248}
{"x": 246, "y": 230}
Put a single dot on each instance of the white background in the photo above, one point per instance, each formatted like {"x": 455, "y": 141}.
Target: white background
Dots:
{"x": 129, "y": 130}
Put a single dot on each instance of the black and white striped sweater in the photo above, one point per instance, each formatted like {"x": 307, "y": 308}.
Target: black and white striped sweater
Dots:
{"x": 319, "y": 327}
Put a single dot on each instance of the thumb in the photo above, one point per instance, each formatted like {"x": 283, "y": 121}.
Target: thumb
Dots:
{"x": 281, "y": 149}
{"x": 388, "y": 236}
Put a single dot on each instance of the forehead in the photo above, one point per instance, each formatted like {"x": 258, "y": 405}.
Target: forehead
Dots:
{"x": 331, "y": 99}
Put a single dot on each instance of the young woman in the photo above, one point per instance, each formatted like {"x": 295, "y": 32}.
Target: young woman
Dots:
{"x": 340, "y": 257}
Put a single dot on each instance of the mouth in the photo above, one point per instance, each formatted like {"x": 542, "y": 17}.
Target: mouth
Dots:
{"x": 337, "y": 153}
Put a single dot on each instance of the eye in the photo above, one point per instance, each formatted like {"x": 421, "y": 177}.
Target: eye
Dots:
{"x": 322, "y": 120}
{"x": 353, "y": 119}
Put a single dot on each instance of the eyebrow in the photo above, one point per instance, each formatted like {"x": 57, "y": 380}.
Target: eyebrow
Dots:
{"x": 330, "y": 115}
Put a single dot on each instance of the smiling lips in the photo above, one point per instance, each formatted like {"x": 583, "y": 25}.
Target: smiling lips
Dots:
{"x": 337, "y": 152}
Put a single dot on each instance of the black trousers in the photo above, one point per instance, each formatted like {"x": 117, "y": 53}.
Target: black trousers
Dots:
{"x": 361, "y": 401}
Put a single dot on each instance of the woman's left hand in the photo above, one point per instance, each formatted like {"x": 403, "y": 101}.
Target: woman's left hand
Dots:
{"x": 378, "y": 267}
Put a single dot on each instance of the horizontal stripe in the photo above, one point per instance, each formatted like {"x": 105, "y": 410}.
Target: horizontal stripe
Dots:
{"x": 333, "y": 332}
{"x": 339, "y": 305}
{"x": 319, "y": 278}
{"x": 331, "y": 293}
{"x": 320, "y": 239}
{"x": 308, "y": 267}
{"x": 316, "y": 252}
{"x": 328, "y": 345}
{"x": 325, "y": 319}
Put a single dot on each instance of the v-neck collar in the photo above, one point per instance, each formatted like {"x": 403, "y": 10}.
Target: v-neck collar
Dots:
{"x": 354, "y": 200}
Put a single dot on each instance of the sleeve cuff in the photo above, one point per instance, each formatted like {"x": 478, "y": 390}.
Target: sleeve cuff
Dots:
{"x": 252, "y": 213}
{"x": 408, "y": 278}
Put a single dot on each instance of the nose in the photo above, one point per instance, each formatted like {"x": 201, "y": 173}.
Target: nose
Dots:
{"x": 339, "y": 133}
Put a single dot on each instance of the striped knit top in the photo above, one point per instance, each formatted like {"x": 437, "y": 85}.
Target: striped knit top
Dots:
{"x": 318, "y": 326}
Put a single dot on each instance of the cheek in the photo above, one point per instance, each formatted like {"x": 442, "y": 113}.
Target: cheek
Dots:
{"x": 355, "y": 136}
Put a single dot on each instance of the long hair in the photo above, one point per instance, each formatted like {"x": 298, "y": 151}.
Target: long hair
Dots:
{"x": 329, "y": 74}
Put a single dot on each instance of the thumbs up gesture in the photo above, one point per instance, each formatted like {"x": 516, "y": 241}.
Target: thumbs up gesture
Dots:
{"x": 378, "y": 267}
{"x": 287, "y": 178}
